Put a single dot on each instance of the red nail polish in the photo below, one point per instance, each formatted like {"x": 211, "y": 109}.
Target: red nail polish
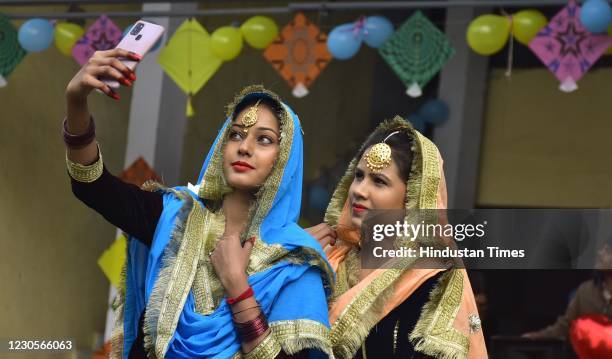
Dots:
{"x": 126, "y": 82}
{"x": 132, "y": 76}
{"x": 115, "y": 96}
{"x": 135, "y": 56}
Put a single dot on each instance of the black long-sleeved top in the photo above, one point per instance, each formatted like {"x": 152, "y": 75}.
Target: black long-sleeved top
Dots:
{"x": 379, "y": 343}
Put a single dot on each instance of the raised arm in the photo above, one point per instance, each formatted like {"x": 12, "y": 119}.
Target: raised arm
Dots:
{"x": 124, "y": 205}
{"x": 103, "y": 64}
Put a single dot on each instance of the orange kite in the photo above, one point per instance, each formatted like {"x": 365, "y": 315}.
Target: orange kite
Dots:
{"x": 299, "y": 54}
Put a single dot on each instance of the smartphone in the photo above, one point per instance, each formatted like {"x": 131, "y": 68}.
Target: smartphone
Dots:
{"x": 140, "y": 39}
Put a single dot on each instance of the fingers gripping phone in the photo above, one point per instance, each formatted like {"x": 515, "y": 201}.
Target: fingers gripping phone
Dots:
{"x": 140, "y": 39}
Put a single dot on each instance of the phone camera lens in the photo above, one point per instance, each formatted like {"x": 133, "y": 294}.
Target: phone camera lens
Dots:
{"x": 137, "y": 29}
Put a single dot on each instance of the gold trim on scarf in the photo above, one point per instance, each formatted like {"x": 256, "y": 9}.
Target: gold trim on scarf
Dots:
{"x": 434, "y": 333}
{"x": 85, "y": 173}
{"x": 179, "y": 265}
{"x": 267, "y": 349}
{"x": 299, "y": 334}
{"x": 116, "y": 351}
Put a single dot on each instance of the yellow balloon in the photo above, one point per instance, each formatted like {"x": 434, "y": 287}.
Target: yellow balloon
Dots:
{"x": 66, "y": 35}
{"x": 259, "y": 31}
{"x": 226, "y": 42}
{"x": 526, "y": 24}
{"x": 609, "y": 52}
{"x": 488, "y": 34}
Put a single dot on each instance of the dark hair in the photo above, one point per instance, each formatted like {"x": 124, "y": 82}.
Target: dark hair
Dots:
{"x": 401, "y": 149}
{"x": 251, "y": 100}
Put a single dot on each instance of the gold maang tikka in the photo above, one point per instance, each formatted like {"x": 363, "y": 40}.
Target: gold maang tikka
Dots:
{"x": 250, "y": 117}
{"x": 379, "y": 156}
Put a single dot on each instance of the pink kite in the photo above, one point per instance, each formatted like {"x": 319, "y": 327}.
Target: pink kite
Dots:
{"x": 101, "y": 35}
{"x": 567, "y": 48}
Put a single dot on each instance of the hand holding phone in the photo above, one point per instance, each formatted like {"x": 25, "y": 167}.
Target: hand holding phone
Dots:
{"x": 139, "y": 40}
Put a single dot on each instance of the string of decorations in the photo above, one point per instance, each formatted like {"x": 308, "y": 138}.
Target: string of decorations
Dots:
{"x": 416, "y": 51}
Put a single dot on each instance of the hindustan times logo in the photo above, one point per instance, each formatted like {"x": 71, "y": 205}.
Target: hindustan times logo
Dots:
{"x": 413, "y": 231}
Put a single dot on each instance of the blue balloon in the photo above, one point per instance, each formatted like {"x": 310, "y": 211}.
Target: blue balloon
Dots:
{"x": 318, "y": 197}
{"x": 155, "y": 47}
{"x": 434, "y": 111}
{"x": 35, "y": 35}
{"x": 378, "y": 30}
{"x": 596, "y": 15}
{"x": 417, "y": 121}
{"x": 343, "y": 43}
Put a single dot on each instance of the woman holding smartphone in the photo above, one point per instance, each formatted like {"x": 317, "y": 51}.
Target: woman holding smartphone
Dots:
{"x": 220, "y": 270}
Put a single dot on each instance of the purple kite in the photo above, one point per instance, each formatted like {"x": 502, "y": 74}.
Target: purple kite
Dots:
{"x": 567, "y": 48}
{"x": 101, "y": 35}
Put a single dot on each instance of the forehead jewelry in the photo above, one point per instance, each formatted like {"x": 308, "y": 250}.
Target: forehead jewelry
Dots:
{"x": 250, "y": 117}
{"x": 379, "y": 155}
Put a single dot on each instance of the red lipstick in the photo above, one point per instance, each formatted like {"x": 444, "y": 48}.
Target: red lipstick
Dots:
{"x": 240, "y": 166}
{"x": 358, "y": 208}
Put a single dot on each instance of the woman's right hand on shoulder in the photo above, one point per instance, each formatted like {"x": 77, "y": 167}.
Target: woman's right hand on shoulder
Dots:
{"x": 103, "y": 64}
{"x": 323, "y": 233}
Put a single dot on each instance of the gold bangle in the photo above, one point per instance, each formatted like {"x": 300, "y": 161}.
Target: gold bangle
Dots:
{"x": 268, "y": 348}
{"x": 85, "y": 173}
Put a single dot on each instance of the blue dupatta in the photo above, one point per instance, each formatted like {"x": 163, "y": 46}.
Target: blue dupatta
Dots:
{"x": 174, "y": 284}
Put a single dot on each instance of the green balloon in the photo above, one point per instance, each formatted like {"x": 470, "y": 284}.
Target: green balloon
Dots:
{"x": 226, "y": 42}
{"x": 66, "y": 35}
{"x": 259, "y": 31}
{"x": 526, "y": 24}
{"x": 488, "y": 34}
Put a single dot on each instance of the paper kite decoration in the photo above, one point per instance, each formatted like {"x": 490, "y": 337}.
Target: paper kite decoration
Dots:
{"x": 101, "y": 35}
{"x": 138, "y": 173}
{"x": 188, "y": 60}
{"x": 567, "y": 48}
{"x": 111, "y": 261}
{"x": 299, "y": 54}
{"x": 11, "y": 53}
{"x": 416, "y": 52}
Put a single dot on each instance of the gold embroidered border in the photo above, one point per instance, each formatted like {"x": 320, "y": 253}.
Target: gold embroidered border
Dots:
{"x": 117, "y": 333}
{"x": 207, "y": 288}
{"x": 424, "y": 179}
{"x": 179, "y": 263}
{"x": 357, "y": 319}
{"x": 267, "y": 349}
{"x": 300, "y": 334}
{"x": 434, "y": 333}
{"x": 85, "y": 173}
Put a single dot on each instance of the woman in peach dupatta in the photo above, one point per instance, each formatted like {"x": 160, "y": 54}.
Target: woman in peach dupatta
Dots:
{"x": 405, "y": 310}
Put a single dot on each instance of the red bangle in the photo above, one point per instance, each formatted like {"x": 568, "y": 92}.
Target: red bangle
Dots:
{"x": 253, "y": 329}
{"x": 246, "y": 294}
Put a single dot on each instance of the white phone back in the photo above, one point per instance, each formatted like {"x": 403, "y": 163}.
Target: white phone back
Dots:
{"x": 147, "y": 37}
